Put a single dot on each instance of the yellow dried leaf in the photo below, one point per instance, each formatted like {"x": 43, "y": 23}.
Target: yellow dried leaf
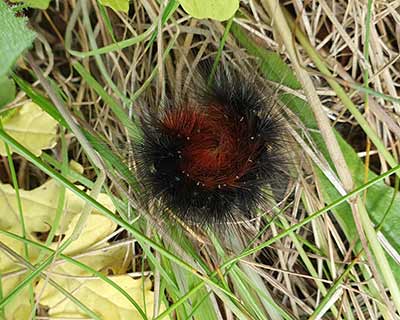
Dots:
{"x": 104, "y": 300}
{"x": 39, "y": 207}
{"x": 17, "y": 308}
{"x": 20, "y": 307}
{"x": 96, "y": 229}
{"x": 31, "y": 127}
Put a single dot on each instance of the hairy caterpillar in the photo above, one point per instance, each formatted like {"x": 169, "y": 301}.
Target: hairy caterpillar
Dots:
{"x": 210, "y": 158}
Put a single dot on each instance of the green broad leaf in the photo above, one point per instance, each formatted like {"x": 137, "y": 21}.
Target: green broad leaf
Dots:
{"x": 38, "y": 4}
{"x": 15, "y": 37}
{"x": 220, "y": 10}
{"x": 271, "y": 64}
{"x": 7, "y": 90}
{"x": 382, "y": 201}
{"x": 117, "y": 5}
{"x": 379, "y": 198}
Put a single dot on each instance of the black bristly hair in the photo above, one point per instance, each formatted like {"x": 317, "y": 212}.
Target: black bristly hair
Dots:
{"x": 212, "y": 157}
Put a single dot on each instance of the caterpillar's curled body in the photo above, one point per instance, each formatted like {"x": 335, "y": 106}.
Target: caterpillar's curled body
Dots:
{"x": 211, "y": 158}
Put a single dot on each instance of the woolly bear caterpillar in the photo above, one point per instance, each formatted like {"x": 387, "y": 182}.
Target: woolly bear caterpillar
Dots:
{"x": 210, "y": 158}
